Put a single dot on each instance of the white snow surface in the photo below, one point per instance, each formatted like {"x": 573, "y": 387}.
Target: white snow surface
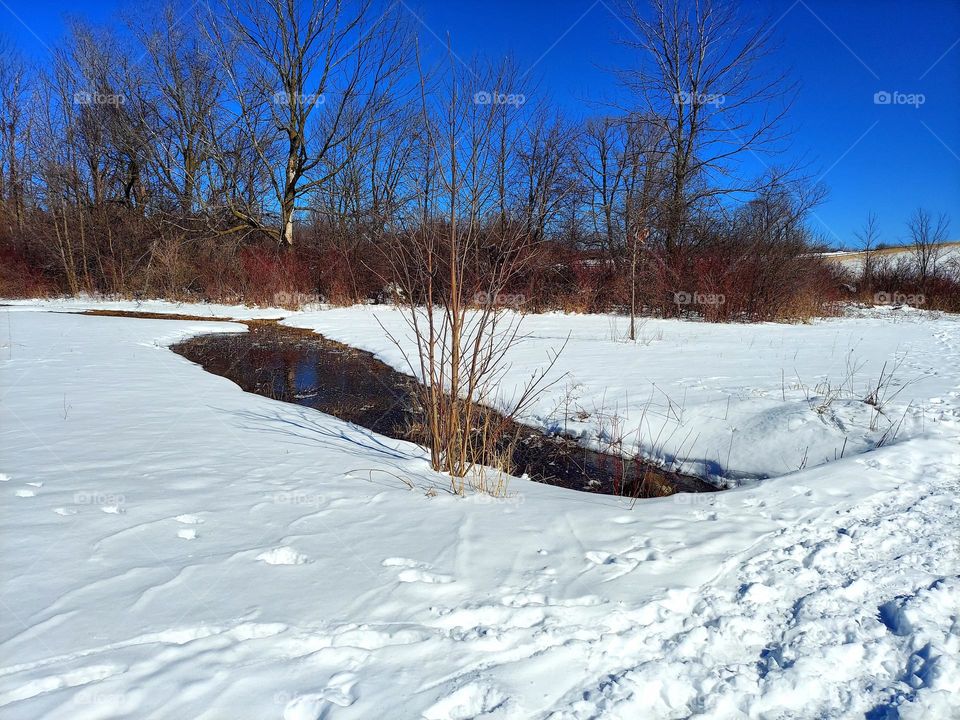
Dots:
{"x": 161, "y": 307}
{"x": 176, "y": 548}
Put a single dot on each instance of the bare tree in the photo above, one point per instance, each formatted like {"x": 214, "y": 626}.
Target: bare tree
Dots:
{"x": 187, "y": 90}
{"x": 927, "y": 237}
{"x": 700, "y": 73}
{"x": 307, "y": 75}
{"x": 366, "y": 192}
{"x": 602, "y": 164}
{"x": 15, "y": 95}
{"x": 621, "y": 168}
{"x": 545, "y": 168}
{"x": 869, "y": 238}
{"x": 643, "y": 189}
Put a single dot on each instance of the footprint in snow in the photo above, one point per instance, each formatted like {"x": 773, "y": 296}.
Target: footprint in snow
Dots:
{"x": 187, "y": 534}
{"x": 4, "y": 477}
{"x": 415, "y": 571}
{"x": 598, "y": 557}
{"x": 65, "y": 511}
{"x": 112, "y": 509}
{"x": 524, "y": 600}
{"x": 189, "y": 519}
{"x": 411, "y": 575}
{"x": 401, "y": 562}
{"x": 467, "y": 702}
{"x": 283, "y": 556}
{"x": 339, "y": 691}
{"x": 25, "y": 492}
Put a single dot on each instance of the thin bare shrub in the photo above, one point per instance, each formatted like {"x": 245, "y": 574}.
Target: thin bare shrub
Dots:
{"x": 454, "y": 262}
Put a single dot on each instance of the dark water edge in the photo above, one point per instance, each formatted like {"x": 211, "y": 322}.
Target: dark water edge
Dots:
{"x": 305, "y": 368}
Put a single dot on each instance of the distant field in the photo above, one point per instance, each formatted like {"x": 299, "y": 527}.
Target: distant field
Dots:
{"x": 951, "y": 251}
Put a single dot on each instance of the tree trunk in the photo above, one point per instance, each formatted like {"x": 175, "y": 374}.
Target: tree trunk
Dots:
{"x": 286, "y": 229}
{"x": 289, "y": 198}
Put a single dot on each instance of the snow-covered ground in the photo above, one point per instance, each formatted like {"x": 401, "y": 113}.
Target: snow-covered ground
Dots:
{"x": 162, "y": 307}
{"x": 176, "y": 548}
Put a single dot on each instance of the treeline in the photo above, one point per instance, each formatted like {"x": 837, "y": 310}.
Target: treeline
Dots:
{"x": 277, "y": 150}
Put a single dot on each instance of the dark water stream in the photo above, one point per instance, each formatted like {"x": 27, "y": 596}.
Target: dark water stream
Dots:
{"x": 302, "y": 367}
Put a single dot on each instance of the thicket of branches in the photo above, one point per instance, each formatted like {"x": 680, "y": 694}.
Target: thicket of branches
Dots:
{"x": 276, "y": 150}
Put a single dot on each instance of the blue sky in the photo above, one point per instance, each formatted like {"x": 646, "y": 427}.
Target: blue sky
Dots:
{"x": 884, "y": 158}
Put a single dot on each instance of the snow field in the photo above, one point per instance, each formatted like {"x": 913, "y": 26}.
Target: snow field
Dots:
{"x": 174, "y": 547}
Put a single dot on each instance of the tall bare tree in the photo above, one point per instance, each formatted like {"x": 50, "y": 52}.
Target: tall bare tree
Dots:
{"x": 307, "y": 74}
{"x": 188, "y": 91}
{"x": 700, "y": 72}
{"x": 869, "y": 238}
{"x": 644, "y": 182}
{"x": 927, "y": 236}
{"x": 545, "y": 170}
{"x": 15, "y": 119}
